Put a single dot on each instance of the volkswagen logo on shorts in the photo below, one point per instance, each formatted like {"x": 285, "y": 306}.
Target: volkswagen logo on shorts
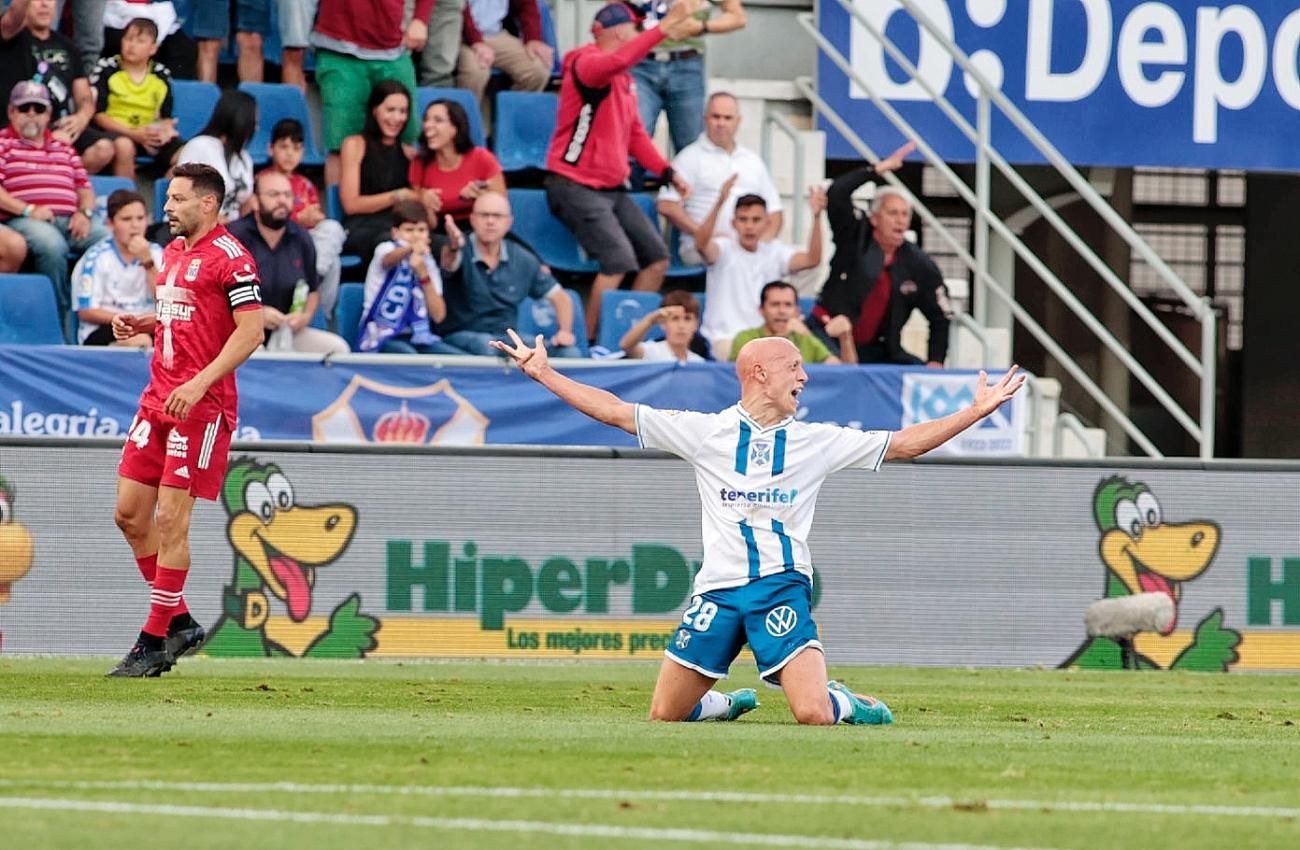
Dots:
{"x": 780, "y": 621}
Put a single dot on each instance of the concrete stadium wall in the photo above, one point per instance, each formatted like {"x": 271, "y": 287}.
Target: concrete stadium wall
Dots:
{"x": 527, "y": 554}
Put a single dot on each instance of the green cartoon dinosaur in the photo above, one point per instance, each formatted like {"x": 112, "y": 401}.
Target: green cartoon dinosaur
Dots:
{"x": 278, "y": 546}
{"x": 1143, "y": 553}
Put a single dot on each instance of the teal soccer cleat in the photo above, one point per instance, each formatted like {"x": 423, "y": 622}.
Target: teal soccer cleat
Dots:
{"x": 743, "y": 701}
{"x": 866, "y": 710}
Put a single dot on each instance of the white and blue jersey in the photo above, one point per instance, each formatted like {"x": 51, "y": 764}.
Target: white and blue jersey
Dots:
{"x": 758, "y": 486}
{"x": 102, "y": 278}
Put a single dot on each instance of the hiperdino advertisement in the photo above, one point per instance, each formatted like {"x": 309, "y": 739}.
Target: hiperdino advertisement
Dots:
{"x": 483, "y": 553}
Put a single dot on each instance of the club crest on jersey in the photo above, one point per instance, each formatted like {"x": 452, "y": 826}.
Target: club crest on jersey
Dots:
{"x": 192, "y": 273}
{"x": 760, "y": 453}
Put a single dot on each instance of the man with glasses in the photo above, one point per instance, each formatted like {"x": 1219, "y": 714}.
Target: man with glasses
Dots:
{"x": 484, "y": 280}
{"x": 44, "y": 190}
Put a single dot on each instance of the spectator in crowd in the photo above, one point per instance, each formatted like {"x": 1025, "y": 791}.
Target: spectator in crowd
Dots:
{"x": 13, "y": 250}
{"x": 295, "y": 19}
{"x": 44, "y": 188}
{"x": 118, "y": 274}
{"x": 486, "y": 279}
{"x": 209, "y": 23}
{"x": 679, "y": 316}
{"x": 354, "y": 52}
{"x": 595, "y": 131}
{"x": 738, "y": 267}
{"x": 286, "y": 265}
{"x": 133, "y": 94}
{"x": 671, "y": 78}
{"x": 704, "y": 164}
{"x": 780, "y": 308}
{"x": 223, "y": 144}
{"x": 41, "y": 54}
{"x": 326, "y": 233}
{"x": 877, "y": 277}
{"x": 451, "y": 171}
{"x": 526, "y": 59}
{"x": 176, "y": 50}
{"x": 403, "y": 296}
{"x": 87, "y": 28}
{"x": 436, "y": 63}
{"x": 375, "y": 170}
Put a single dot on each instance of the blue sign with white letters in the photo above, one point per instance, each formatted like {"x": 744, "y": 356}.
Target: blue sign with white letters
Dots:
{"x": 57, "y": 391}
{"x": 1178, "y": 83}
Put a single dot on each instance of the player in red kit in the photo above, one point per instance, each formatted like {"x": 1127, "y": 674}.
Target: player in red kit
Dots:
{"x": 207, "y": 322}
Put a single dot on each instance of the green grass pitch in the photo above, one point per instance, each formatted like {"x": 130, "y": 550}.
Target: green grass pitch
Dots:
{"x": 320, "y": 755}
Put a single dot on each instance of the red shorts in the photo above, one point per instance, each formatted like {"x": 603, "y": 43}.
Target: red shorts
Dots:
{"x": 189, "y": 455}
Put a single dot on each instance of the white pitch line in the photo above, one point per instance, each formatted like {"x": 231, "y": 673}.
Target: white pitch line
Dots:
{"x": 936, "y": 802}
{"x": 584, "y": 830}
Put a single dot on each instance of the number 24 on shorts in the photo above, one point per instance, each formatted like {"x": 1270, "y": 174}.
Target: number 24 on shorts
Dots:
{"x": 700, "y": 615}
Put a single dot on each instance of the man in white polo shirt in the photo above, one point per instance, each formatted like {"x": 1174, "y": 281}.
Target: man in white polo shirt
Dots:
{"x": 739, "y": 266}
{"x": 704, "y": 164}
{"x": 758, "y": 471}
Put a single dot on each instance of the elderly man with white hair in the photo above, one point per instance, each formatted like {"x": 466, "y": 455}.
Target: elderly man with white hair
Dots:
{"x": 758, "y": 471}
{"x": 877, "y": 277}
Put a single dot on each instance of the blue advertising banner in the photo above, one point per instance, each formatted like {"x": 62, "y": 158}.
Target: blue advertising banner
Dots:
{"x": 83, "y": 392}
{"x": 1108, "y": 82}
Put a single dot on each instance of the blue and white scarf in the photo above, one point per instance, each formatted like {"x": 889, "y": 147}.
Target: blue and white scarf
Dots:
{"x": 398, "y": 308}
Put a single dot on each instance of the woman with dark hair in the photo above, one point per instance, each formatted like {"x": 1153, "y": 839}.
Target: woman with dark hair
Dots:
{"x": 373, "y": 169}
{"x": 221, "y": 144}
{"x": 451, "y": 171}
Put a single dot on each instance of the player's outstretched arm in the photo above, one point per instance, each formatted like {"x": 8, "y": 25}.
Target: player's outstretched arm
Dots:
{"x": 915, "y": 440}
{"x": 597, "y": 403}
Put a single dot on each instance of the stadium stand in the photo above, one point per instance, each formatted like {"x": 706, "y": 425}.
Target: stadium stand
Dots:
{"x": 537, "y": 316}
{"x": 192, "y": 102}
{"x": 334, "y": 210}
{"x": 525, "y": 122}
{"x": 427, "y": 95}
{"x": 105, "y": 186}
{"x": 29, "y": 314}
{"x": 676, "y": 269}
{"x": 276, "y": 101}
{"x": 545, "y": 234}
{"x": 620, "y": 310}
{"x": 347, "y": 313}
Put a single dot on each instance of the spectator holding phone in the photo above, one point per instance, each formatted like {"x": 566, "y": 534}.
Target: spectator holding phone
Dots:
{"x": 450, "y": 171}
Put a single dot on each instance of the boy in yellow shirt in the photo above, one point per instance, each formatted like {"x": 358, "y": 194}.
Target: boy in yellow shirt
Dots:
{"x": 134, "y": 102}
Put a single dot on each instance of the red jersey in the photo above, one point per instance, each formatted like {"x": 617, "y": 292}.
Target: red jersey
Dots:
{"x": 305, "y": 194}
{"x": 597, "y": 125}
{"x": 199, "y": 291}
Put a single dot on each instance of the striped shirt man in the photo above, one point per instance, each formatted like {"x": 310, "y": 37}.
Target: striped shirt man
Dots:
{"x": 48, "y": 176}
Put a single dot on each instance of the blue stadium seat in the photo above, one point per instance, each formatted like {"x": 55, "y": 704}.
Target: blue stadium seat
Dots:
{"x": 105, "y": 186}
{"x": 192, "y": 103}
{"x": 546, "y": 234}
{"x": 276, "y": 101}
{"x": 427, "y": 95}
{"x": 806, "y": 304}
{"x": 537, "y": 316}
{"x": 549, "y": 36}
{"x": 525, "y": 122}
{"x": 159, "y": 197}
{"x": 347, "y": 312}
{"x": 620, "y": 310}
{"x": 334, "y": 210}
{"x": 29, "y": 313}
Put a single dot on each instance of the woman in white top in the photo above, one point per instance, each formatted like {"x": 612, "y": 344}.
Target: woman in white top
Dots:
{"x": 679, "y": 316}
{"x": 222, "y": 143}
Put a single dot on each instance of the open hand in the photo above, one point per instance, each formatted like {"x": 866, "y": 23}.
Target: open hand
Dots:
{"x": 989, "y": 398}
{"x": 894, "y": 161}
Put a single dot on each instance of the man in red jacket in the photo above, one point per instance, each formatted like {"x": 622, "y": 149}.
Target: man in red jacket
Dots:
{"x": 595, "y": 131}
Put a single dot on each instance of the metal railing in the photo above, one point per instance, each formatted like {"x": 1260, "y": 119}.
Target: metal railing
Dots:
{"x": 799, "y": 213}
{"x": 987, "y": 157}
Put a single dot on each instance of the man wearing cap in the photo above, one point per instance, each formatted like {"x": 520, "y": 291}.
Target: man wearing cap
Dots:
{"x": 45, "y": 194}
{"x": 595, "y": 131}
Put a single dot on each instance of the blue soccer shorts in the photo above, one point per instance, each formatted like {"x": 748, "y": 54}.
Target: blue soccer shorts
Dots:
{"x": 773, "y": 615}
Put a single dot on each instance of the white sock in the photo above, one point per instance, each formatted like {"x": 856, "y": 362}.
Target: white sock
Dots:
{"x": 711, "y": 706}
{"x": 840, "y": 704}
